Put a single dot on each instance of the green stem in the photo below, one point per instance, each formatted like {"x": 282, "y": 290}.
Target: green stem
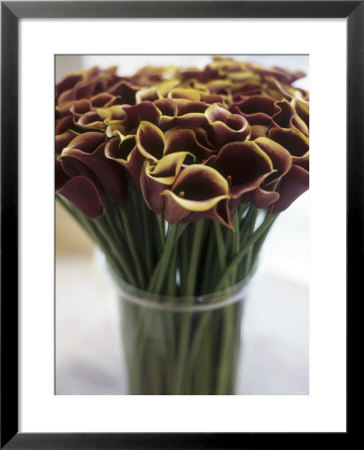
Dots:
{"x": 101, "y": 237}
{"x": 132, "y": 248}
{"x": 211, "y": 267}
{"x": 225, "y": 350}
{"x": 250, "y": 226}
{"x": 182, "y": 370}
{"x": 148, "y": 247}
{"x": 195, "y": 254}
{"x": 226, "y": 347}
{"x": 244, "y": 250}
{"x": 161, "y": 232}
{"x": 158, "y": 277}
{"x": 117, "y": 252}
{"x": 171, "y": 287}
{"x": 221, "y": 251}
{"x": 235, "y": 245}
{"x": 151, "y": 322}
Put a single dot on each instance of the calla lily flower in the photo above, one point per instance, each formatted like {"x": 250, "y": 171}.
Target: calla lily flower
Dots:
{"x": 141, "y": 112}
{"x": 62, "y": 140}
{"x": 190, "y": 120}
{"x": 103, "y": 100}
{"x": 91, "y": 121}
{"x": 278, "y": 90}
{"x": 198, "y": 189}
{"x": 244, "y": 165}
{"x": 80, "y": 191}
{"x": 226, "y": 127}
{"x": 257, "y": 109}
{"x": 295, "y": 183}
{"x": 64, "y": 124}
{"x": 264, "y": 195}
{"x": 302, "y": 108}
{"x": 287, "y": 117}
{"x": 181, "y": 139}
{"x": 124, "y": 151}
{"x": 68, "y": 83}
{"x": 84, "y": 155}
{"x": 292, "y": 140}
{"x": 156, "y": 176}
{"x": 74, "y": 108}
{"x": 280, "y": 157}
{"x": 127, "y": 119}
{"x": 150, "y": 141}
{"x": 167, "y": 106}
{"x": 126, "y": 91}
{"x": 187, "y": 94}
{"x": 84, "y": 84}
{"x": 283, "y": 75}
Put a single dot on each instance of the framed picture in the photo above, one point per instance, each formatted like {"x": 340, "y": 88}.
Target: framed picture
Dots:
{"x": 285, "y": 252}
{"x": 44, "y": 401}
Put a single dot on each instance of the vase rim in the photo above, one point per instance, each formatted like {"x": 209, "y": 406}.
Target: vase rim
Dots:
{"x": 204, "y": 302}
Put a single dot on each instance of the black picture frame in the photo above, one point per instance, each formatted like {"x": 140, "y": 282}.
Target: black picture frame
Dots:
{"x": 11, "y": 13}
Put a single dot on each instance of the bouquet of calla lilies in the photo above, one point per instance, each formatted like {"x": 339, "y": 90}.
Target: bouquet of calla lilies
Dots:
{"x": 178, "y": 175}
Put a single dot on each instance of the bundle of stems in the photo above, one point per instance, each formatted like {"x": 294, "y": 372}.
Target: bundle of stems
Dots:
{"x": 169, "y": 349}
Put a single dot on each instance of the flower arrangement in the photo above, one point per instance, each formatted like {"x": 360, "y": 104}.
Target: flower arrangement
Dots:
{"x": 178, "y": 175}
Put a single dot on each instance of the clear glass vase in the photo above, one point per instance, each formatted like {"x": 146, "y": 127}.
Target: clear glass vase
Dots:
{"x": 180, "y": 345}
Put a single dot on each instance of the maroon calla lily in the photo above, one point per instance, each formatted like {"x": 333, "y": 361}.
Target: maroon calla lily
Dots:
{"x": 264, "y": 195}
{"x": 62, "y": 140}
{"x": 294, "y": 184}
{"x": 257, "y": 109}
{"x": 85, "y": 154}
{"x": 157, "y": 176}
{"x": 292, "y": 140}
{"x": 64, "y": 124}
{"x": 287, "y": 117}
{"x": 124, "y": 151}
{"x": 226, "y": 127}
{"x": 198, "y": 190}
{"x": 244, "y": 165}
{"x": 182, "y": 139}
{"x": 83, "y": 194}
{"x": 80, "y": 191}
{"x": 141, "y": 112}
{"x": 150, "y": 141}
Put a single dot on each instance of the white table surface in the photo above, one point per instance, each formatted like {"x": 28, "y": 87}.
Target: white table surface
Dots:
{"x": 88, "y": 352}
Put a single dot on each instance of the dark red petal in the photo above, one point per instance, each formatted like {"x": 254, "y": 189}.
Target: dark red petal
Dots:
{"x": 257, "y": 104}
{"x": 145, "y": 111}
{"x": 109, "y": 173}
{"x": 150, "y": 141}
{"x": 262, "y": 198}
{"x": 295, "y": 142}
{"x": 83, "y": 194}
{"x": 245, "y": 165}
{"x": 185, "y": 140}
{"x": 86, "y": 142}
{"x": 167, "y": 106}
{"x": 280, "y": 157}
{"x": 62, "y": 140}
{"x": 67, "y": 83}
{"x": 61, "y": 177}
{"x": 124, "y": 90}
{"x": 285, "y": 114}
{"x": 220, "y": 213}
{"x": 295, "y": 183}
{"x": 64, "y": 124}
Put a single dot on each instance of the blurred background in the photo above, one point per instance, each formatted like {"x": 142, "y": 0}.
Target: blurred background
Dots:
{"x": 275, "y": 329}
